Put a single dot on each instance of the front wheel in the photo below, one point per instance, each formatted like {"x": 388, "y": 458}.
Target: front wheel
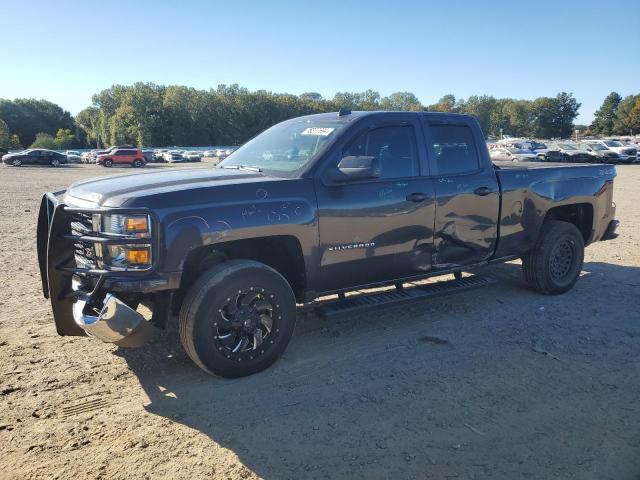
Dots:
{"x": 17, "y": 162}
{"x": 108, "y": 163}
{"x": 54, "y": 162}
{"x": 554, "y": 264}
{"x": 237, "y": 318}
{"x": 137, "y": 163}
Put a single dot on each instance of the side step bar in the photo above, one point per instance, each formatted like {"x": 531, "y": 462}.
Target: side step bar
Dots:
{"x": 391, "y": 298}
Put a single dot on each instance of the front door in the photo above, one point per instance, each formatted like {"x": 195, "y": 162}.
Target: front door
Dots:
{"x": 378, "y": 229}
{"x": 467, "y": 195}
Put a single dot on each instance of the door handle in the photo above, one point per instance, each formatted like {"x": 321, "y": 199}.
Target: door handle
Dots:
{"x": 416, "y": 197}
{"x": 482, "y": 191}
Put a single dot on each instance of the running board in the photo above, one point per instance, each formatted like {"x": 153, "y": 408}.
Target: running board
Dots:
{"x": 391, "y": 298}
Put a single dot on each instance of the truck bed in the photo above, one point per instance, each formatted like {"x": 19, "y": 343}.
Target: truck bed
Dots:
{"x": 529, "y": 188}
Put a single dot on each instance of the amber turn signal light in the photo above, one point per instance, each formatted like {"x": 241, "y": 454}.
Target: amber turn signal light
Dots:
{"x": 138, "y": 256}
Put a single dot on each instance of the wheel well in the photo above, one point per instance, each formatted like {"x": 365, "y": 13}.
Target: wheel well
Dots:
{"x": 580, "y": 214}
{"x": 283, "y": 253}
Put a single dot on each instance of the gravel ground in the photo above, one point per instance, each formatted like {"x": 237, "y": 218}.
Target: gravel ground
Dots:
{"x": 497, "y": 383}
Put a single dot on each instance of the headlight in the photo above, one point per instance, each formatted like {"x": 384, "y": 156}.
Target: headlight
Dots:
{"x": 131, "y": 225}
{"x": 127, "y": 256}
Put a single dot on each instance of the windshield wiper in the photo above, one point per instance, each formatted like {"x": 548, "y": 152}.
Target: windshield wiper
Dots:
{"x": 241, "y": 167}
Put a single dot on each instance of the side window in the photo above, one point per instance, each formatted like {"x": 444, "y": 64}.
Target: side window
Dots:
{"x": 395, "y": 148}
{"x": 454, "y": 148}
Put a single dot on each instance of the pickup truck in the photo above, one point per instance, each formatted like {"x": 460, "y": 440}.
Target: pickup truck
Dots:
{"x": 314, "y": 206}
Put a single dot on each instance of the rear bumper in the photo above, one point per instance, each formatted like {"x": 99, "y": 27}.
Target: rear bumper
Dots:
{"x": 610, "y": 232}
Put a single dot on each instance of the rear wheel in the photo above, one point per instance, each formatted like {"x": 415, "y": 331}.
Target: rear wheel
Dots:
{"x": 108, "y": 163}
{"x": 554, "y": 264}
{"x": 237, "y": 318}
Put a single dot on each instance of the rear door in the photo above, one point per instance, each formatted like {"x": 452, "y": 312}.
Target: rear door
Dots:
{"x": 467, "y": 192}
{"x": 377, "y": 229}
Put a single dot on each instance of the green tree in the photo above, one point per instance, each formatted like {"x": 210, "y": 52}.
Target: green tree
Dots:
{"x": 401, "y": 101}
{"x": 605, "y": 116}
{"x": 44, "y": 140}
{"x": 445, "y": 104}
{"x": 27, "y": 117}
{"x": 624, "y": 122}
{"x": 8, "y": 140}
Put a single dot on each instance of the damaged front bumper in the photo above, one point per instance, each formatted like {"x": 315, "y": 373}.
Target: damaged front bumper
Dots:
{"x": 115, "y": 322}
{"x": 82, "y": 298}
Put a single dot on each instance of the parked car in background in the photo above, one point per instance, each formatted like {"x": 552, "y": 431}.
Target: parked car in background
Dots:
{"x": 192, "y": 156}
{"x": 73, "y": 156}
{"x": 626, "y": 153}
{"x": 572, "y": 154}
{"x": 87, "y": 157}
{"x": 221, "y": 153}
{"x": 148, "y": 155}
{"x": 511, "y": 154}
{"x": 122, "y": 156}
{"x": 174, "y": 156}
{"x": 35, "y": 156}
{"x": 546, "y": 152}
{"x": 209, "y": 153}
{"x": 603, "y": 154}
{"x": 158, "y": 155}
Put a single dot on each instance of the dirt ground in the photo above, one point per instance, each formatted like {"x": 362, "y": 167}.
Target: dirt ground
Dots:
{"x": 497, "y": 383}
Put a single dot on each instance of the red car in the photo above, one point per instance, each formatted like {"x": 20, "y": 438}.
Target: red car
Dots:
{"x": 122, "y": 156}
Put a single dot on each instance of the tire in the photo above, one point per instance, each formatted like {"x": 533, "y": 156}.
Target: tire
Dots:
{"x": 554, "y": 264}
{"x": 17, "y": 162}
{"x": 108, "y": 163}
{"x": 213, "y": 335}
{"x": 54, "y": 162}
{"x": 137, "y": 163}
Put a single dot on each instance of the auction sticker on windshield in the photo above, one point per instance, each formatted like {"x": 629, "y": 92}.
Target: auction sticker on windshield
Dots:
{"x": 318, "y": 131}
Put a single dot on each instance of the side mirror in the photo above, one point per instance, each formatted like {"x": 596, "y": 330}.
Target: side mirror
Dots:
{"x": 355, "y": 168}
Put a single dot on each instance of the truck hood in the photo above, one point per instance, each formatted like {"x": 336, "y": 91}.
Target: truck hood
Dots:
{"x": 115, "y": 191}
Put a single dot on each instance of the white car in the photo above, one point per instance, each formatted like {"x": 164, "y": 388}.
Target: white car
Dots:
{"x": 73, "y": 156}
{"x": 192, "y": 156}
{"x": 209, "y": 153}
{"x": 626, "y": 153}
{"x": 173, "y": 156}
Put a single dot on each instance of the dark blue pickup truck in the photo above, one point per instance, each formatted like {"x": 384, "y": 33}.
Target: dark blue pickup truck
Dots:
{"x": 316, "y": 205}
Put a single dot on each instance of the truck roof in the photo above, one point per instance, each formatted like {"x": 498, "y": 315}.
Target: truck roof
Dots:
{"x": 356, "y": 114}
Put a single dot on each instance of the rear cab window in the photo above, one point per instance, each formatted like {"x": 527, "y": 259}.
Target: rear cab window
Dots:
{"x": 454, "y": 149}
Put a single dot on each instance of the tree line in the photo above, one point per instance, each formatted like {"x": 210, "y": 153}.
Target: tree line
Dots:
{"x": 146, "y": 114}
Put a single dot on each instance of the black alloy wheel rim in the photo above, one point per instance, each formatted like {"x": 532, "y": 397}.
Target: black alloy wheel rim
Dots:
{"x": 562, "y": 258}
{"x": 247, "y": 324}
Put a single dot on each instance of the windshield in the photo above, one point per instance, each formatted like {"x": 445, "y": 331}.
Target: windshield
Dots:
{"x": 612, "y": 143}
{"x": 566, "y": 146}
{"x": 596, "y": 146}
{"x": 286, "y": 148}
{"x": 518, "y": 150}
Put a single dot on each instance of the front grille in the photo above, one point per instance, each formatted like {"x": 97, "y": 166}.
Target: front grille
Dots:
{"x": 82, "y": 224}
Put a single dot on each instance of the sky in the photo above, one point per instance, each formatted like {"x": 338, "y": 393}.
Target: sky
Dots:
{"x": 65, "y": 51}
